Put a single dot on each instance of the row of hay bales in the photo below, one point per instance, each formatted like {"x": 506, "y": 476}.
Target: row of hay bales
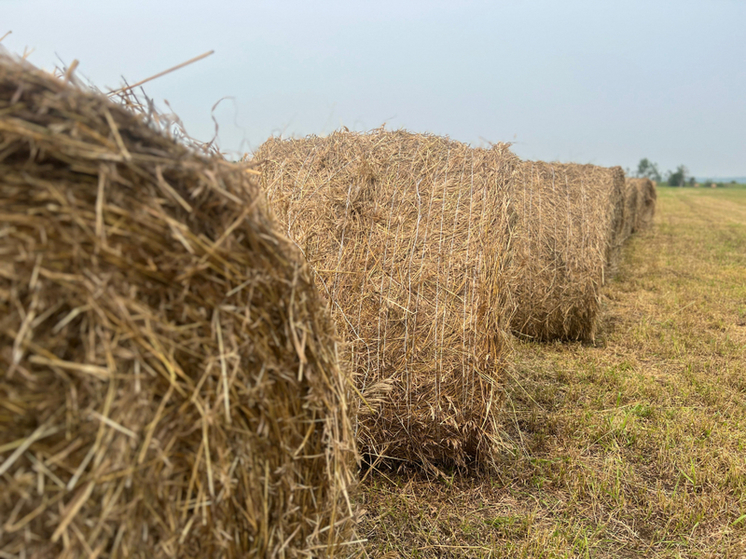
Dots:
{"x": 169, "y": 384}
{"x": 172, "y": 383}
{"x": 430, "y": 252}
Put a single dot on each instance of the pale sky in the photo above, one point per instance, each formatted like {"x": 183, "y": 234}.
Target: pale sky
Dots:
{"x": 602, "y": 81}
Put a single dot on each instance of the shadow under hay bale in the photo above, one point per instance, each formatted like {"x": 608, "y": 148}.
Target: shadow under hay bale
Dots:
{"x": 409, "y": 237}
{"x": 645, "y": 200}
{"x": 567, "y": 238}
{"x": 169, "y": 383}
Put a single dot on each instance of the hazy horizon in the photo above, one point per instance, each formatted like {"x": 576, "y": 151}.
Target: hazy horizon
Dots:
{"x": 578, "y": 81}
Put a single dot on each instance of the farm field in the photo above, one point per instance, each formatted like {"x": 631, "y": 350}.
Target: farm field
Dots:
{"x": 634, "y": 446}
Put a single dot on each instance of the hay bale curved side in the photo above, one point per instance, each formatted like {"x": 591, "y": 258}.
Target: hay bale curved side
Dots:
{"x": 620, "y": 218}
{"x": 169, "y": 380}
{"x": 631, "y": 202}
{"x": 567, "y": 236}
{"x": 646, "y": 197}
{"x": 408, "y": 235}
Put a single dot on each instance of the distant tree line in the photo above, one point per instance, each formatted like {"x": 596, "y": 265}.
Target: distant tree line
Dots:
{"x": 679, "y": 177}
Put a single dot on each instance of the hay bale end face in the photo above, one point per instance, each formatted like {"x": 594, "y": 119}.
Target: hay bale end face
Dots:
{"x": 169, "y": 383}
{"x": 568, "y": 233}
{"x": 408, "y": 235}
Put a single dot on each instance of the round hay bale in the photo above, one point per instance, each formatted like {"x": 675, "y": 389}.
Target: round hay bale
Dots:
{"x": 646, "y": 197}
{"x": 631, "y": 202}
{"x": 567, "y": 236}
{"x": 169, "y": 381}
{"x": 408, "y": 235}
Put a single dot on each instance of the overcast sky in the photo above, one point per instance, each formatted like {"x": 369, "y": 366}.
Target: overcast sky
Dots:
{"x": 604, "y": 82}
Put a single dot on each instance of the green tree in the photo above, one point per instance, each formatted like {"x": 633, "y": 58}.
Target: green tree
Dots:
{"x": 679, "y": 176}
{"x": 648, "y": 169}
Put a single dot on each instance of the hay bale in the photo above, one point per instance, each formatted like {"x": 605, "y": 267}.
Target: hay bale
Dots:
{"x": 169, "y": 383}
{"x": 567, "y": 239}
{"x": 645, "y": 200}
{"x": 631, "y": 202}
{"x": 408, "y": 235}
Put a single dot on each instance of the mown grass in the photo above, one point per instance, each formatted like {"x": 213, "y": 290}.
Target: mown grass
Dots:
{"x": 632, "y": 447}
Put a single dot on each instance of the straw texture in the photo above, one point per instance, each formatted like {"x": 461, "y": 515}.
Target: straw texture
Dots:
{"x": 568, "y": 235}
{"x": 169, "y": 385}
{"x": 409, "y": 238}
{"x": 644, "y": 194}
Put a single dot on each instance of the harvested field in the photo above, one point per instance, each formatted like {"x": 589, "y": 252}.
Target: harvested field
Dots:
{"x": 568, "y": 237}
{"x": 169, "y": 385}
{"x": 409, "y": 236}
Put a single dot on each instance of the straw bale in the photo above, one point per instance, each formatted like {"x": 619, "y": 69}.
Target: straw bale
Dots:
{"x": 631, "y": 201}
{"x": 408, "y": 235}
{"x": 645, "y": 200}
{"x": 168, "y": 378}
{"x": 567, "y": 236}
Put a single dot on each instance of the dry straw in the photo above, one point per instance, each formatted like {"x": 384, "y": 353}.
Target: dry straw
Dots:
{"x": 169, "y": 384}
{"x": 644, "y": 194}
{"x": 568, "y": 234}
{"x": 409, "y": 237}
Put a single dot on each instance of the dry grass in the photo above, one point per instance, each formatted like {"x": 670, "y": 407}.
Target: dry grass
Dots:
{"x": 632, "y": 201}
{"x": 569, "y": 230}
{"x": 168, "y": 379}
{"x": 640, "y": 203}
{"x": 632, "y": 447}
{"x": 408, "y": 235}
